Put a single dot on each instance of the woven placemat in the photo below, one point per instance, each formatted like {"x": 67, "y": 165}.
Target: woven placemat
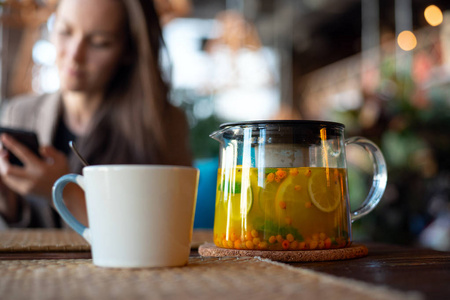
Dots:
{"x": 353, "y": 251}
{"x": 34, "y": 240}
{"x": 203, "y": 278}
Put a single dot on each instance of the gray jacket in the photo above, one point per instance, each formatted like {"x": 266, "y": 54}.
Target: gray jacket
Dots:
{"x": 39, "y": 114}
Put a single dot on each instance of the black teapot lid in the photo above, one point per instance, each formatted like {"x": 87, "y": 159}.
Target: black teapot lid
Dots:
{"x": 284, "y": 131}
{"x": 263, "y": 123}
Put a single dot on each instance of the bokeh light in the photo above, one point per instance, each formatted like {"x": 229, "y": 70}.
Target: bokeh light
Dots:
{"x": 433, "y": 15}
{"x": 407, "y": 40}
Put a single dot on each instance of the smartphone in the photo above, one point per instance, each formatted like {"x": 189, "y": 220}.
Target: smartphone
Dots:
{"x": 26, "y": 137}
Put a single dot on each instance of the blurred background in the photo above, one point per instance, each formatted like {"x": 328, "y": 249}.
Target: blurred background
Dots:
{"x": 381, "y": 67}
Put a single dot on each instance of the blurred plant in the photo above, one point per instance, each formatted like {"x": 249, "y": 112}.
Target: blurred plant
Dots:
{"x": 410, "y": 120}
{"x": 202, "y": 121}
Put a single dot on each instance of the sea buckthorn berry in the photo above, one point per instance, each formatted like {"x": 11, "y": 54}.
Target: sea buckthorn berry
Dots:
{"x": 297, "y": 187}
{"x": 249, "y": 245}
{"x": 282, "y": 204}
{"x": 288, "y": 220}
{"x": 308, "y": 173}
{"x": 262, "y": 245}
{"x": 290, "y": 237}
{"x": 280, "y": 173}
{"x": 225, "y": 243}
{"x": 224, "y": 236}
{"x": 285, "y": 244}
{"x": 321, "y": 245}
{"x": 322, "y": 236}
{"x": 237, "y": 244}
{"x": 230, "y": 244}
{"x": 327, "y": 243}
{"x": 308, "y": 204}
{"x": 293, "y": 172}
{"x": 336, "y": 174}
{"x": 301, "y": 245}
{"x": 270, "y": 177}
{"x": 315, "y": 237}
{"x": 254, "y": 233}
{"x": 248, "y": 236}
{"x": 277, "y": 178}
{"x": 294, "y": 245}
{"x": 313, "y": 245}
{"x": 256, "y": 241}
{"x": 272, "y": 239}
{"x": 280, "y": 238}
{"x": 233, "y": 237}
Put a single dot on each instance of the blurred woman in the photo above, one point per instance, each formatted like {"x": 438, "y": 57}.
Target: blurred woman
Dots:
{"x": 113, "y": 101}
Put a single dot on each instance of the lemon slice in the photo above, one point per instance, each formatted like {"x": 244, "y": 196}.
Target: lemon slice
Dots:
{"x": 254, "y": 184}
{"x": 285, "y": 191}
{"x": 240, "y": 204}
{"x": 290, "y": 197}
{"x": 325, "y": 192}
{"x": 267, "y": 196}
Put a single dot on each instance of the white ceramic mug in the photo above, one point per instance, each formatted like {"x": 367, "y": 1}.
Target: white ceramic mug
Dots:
{"x": 139, "y": 215}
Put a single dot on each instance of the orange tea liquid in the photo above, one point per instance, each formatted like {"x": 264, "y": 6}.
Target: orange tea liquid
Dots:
{"x": 281, "y": 209}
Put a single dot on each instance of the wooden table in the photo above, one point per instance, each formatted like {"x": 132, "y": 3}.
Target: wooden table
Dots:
{"x": 402, "y": 268}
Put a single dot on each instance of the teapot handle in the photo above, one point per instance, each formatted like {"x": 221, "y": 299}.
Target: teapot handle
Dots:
{"x": 379, "y": 176}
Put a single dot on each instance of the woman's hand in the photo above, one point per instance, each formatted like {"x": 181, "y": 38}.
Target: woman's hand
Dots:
{"x": 37, "y": 175}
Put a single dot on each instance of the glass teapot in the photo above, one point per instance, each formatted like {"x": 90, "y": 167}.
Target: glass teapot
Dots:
{"x": 282, "y": 185}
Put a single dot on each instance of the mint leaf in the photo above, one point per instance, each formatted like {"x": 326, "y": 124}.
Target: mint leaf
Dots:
{"x": 271, "y": 228}
{"x": 270, "y": 170}
{"x": 236, "y": 189}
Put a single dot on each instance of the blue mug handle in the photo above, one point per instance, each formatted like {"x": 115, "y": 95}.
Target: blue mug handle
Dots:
{"x": 61, "y": 207}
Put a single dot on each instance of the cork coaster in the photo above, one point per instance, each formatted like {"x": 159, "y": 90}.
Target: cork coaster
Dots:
{"x": 353, "y": 251}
